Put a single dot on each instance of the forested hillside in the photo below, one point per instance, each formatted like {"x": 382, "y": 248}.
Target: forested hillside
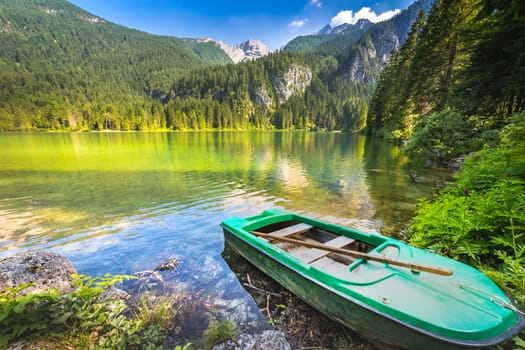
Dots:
{"x": 467, "y": 56}
{"x": 344, "y": 68}
{"x": 64, "y": 68}
{"x": 347, "y": 35}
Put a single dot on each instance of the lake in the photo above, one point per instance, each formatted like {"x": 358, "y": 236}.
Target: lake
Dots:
{"x": 122, "y": 203}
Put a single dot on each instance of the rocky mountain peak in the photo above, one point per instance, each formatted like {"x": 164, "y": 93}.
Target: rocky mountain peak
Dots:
{"x": 362, "y": 23}
{"x": 254, "y": 49}
{"x": 246, "y": 51}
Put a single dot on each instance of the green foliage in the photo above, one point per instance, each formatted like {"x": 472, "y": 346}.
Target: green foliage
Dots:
{"x": 63, "y": 68}
{"x": 441, "y": 136}
{"x": 23, "y": 314}
{"x": 486, "y": 168}
{"x": 35, "y": 312}
{"x": 466, "y": 55}
{"x": 306, "y": 43}
{"x": 389, "y": 101}
{"x": 208, "y": 51}
{"x": 473, "y": 225}
{"x": 43, "y": 36}
{"x": 481, "y": 218}
{"x": 85, "y": 311}
{"x": 159, "y": 312}
{"x": 493, "y": 82}
{"x": 185, "y": 347}
{"x": 219, "y": 332}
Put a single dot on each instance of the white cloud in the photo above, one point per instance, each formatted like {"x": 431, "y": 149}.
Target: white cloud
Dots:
{"x": 299, "y": 23}
{"x": 317, "y": 3}
{"x": 366, "y": 12}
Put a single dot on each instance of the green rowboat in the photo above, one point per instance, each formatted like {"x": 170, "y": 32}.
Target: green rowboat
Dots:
{"x": 387, "y": 291}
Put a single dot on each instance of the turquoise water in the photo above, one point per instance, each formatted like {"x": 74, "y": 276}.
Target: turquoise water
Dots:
{"x": 126, "y": 202}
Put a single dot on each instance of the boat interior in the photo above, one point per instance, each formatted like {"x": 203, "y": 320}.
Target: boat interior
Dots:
{"x": 317, "y": 239}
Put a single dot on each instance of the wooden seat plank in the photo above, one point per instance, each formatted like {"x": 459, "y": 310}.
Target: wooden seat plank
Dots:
{"x": 339, "y": 242}
{"x": 292, "y": 230}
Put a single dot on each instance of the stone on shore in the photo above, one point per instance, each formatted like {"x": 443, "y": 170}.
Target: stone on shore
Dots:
{"x": 267, "y": 340}
{"x": 44, "y": 269}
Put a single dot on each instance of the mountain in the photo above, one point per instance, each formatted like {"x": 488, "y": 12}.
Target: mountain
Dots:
{"x": 63, "y": 68}
{"x": 246, "y": 95}
{"x": 337, "y": 77}
{"x": 246, "y": 51}
{"x": 370, "y": 53}
{"x": 47, "y": 35}
{"x": 347, "y": 33}
{"x": 362, "y": 23}
{"x": 209, "y": 50}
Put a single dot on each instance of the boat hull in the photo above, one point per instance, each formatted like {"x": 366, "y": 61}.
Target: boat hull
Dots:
{"x": 367, "y": 321}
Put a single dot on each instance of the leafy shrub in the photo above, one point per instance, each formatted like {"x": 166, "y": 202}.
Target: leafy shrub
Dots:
{"x": 481, "y": 218}
{"x": 79, "y": 312}
{"x": 507, "y": 161}
{"x": 22, "y": 314}
{"x": 441, "y": 136}
{"x": 472, "y": 225}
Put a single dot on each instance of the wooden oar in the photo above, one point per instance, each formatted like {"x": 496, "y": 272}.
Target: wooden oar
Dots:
{"x": 355, "y": 254}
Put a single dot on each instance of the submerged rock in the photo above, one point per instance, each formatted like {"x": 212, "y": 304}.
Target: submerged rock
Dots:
{"x": 44, "y": 269}
{"x": 171, "y": 264}
{"x": 267, "y": 340}
{"x": 114, "y": 293}
{"x": 147, "y": 280}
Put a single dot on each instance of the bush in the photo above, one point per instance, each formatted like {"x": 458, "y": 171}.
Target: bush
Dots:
{"x": 481, "y": 218}
{"x": 23, "y": 314}
{"x": 441, "y": 136}
{"x": 73, "y": 315}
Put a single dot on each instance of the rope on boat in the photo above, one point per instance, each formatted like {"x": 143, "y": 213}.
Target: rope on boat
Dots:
{"x": 493, "y": 298}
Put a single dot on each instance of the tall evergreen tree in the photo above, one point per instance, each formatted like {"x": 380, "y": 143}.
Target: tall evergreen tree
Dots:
{"x": 437, "y": 55}
{"x": 389, "y": 101}
{"x": 493, "y": 83}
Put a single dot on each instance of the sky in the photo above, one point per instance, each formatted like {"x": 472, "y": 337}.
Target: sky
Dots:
{"x": 274, "y": 22}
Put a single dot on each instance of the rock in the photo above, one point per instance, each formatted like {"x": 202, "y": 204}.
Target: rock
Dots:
{"x": 267, "y": 340}
{"x": 246, "y": 51}
{"x": 345, "y": 27}
{"x": 114, "y": 292}
{"x": 44, "y": 269}
{"x": 254, "y": 49}
{"x": 261, "y": 96}
{"x": 243, "y": 312}
{"x": 293, "y": 82}
{"x": 147, "y": 281}
{"x": 456, "y": 163}
{"x": 171, "y": 264}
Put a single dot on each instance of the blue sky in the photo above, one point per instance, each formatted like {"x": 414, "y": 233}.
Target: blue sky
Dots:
{"x": 274, "y": 22}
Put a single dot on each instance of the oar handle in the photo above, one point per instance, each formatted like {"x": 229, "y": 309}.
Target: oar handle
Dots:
{"x": 355, "y": 254}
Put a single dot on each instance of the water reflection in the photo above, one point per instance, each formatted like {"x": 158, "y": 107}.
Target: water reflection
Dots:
{"x": 125, "y": 202}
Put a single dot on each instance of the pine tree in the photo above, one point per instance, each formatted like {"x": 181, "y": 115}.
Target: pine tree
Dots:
{"x": 494, "y": 81}
{"x": 389, "y": 101}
